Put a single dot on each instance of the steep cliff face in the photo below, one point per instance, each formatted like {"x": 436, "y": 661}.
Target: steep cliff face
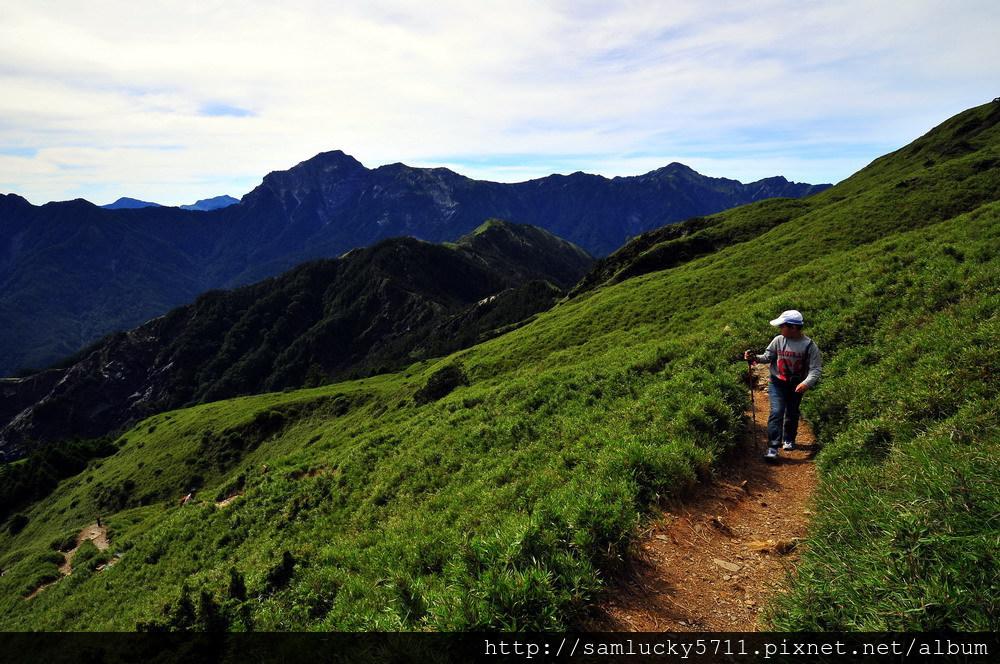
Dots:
{"x": 375, "y": 309}
{"x": 118, "y": 382}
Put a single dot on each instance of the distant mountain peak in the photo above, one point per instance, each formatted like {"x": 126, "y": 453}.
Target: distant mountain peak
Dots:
{"x": 205, "y": 204}
{"x": 126, "y": 203}
{"x": 678, "y": 167}
{"x": 214, "y": 203}
{"x": 334, "y": 158}
{"x": 490, "y": 225}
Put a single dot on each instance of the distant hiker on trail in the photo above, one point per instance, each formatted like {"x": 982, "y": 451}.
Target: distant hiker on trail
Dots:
{"x": 186, "y": 498}
{"x": 795, "y": 367}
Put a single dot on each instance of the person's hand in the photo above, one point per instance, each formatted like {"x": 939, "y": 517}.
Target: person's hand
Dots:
{"x": 801, "y": 387}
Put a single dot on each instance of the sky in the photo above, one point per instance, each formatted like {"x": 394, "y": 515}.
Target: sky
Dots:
{"x": 173, "y": 102}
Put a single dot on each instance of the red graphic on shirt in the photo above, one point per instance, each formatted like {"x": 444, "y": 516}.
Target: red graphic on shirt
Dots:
{"x": 791, "y": 365}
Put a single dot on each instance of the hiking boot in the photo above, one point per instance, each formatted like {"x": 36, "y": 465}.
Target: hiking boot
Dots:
{"x": 789, "y": 445}
{"x": 772, "y": 454}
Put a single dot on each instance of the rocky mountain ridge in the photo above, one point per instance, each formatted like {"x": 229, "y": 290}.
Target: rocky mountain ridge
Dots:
{"x": 373, "y": 310}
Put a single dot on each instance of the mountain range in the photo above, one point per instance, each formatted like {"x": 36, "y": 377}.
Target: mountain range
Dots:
{"x": 205, "y": 204}
{"x": 71, "y": 272}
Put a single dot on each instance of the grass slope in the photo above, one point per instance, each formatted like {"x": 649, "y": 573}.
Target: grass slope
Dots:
{"x": 504, "y": 503}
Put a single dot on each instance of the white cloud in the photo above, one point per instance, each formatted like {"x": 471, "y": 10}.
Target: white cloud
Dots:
{"x": 177, "y": 101}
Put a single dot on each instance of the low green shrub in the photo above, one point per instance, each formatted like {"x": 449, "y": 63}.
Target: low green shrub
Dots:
{"x": 442, "y": 383}
{"x": 17, "y": 523}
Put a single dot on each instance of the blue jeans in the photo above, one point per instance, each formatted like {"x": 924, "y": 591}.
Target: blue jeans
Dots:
{"x": 783, "y": 422}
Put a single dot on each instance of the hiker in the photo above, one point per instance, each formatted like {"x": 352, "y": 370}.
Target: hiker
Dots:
{"x": 795, "y": 366}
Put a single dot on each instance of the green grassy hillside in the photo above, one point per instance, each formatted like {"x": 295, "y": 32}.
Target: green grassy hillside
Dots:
{"x": 498, "y": 487}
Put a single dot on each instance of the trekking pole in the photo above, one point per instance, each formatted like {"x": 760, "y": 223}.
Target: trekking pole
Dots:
{"x": 753, "y": 403}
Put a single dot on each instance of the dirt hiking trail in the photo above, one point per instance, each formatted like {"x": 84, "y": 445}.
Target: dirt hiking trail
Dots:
{"x": 226, "y": 502}
{"x": 716, "y": 556}
{"x": 98, "y": 534}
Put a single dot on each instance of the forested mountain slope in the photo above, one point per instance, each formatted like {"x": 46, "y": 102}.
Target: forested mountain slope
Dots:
{"x": 376, "y": 309}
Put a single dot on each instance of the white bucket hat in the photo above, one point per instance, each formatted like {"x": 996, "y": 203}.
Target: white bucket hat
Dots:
{"x": 791, "y": 316}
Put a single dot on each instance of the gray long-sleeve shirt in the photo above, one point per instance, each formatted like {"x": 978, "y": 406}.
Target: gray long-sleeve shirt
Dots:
{"x": 793, "y": 360}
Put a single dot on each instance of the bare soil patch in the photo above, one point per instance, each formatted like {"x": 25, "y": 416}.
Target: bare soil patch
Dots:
{"x": 716, "y": 556}
{"x": 99, "y": 535}
{"x": 228, "y": 500}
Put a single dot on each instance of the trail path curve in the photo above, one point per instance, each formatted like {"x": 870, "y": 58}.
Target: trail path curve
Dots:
{"x": 716, "y": 556}
{"x": 98, "y": 534}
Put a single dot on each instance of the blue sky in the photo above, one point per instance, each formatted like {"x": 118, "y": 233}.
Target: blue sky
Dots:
{"x": 173, "y": 103}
